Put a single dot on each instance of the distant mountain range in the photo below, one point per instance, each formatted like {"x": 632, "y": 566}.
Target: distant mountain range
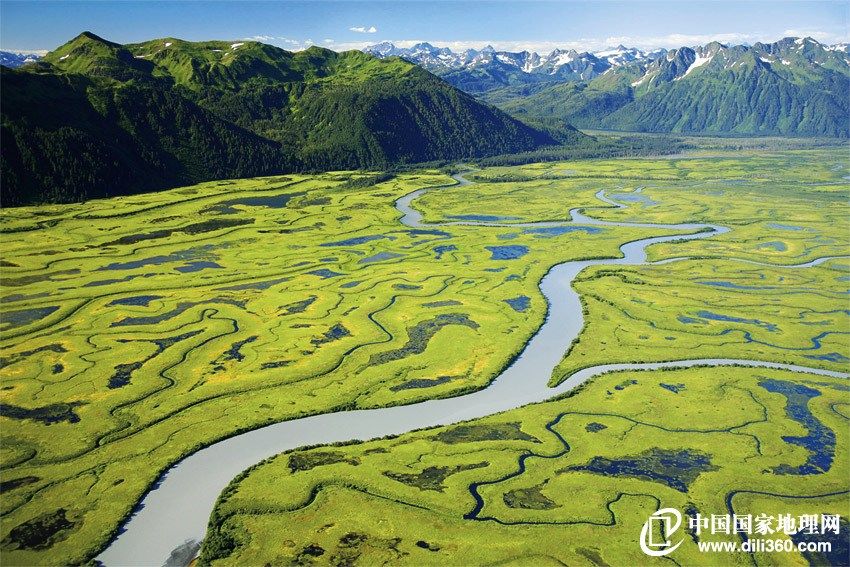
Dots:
{"x": 795, "y": 86}
{"x": 13, "y": 59}
{"x": 480, "y": 71}
{"x": 95, "y": 118}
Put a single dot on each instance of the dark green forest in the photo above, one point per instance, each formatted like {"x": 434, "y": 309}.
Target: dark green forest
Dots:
{"x": 97, "y": 119}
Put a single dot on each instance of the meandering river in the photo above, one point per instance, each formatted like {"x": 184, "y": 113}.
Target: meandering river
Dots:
{"x": 178, "y": 508}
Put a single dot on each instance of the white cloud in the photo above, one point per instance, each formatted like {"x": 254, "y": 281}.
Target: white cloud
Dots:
{"x": 288, "y": 43}
{"x": 597, "y": 44}
{"x": 274, "y": 40}
{"x": 680, "y": 40}
{"x": 41, "y": 52}
{"x": 364, "y": 29}
{"x": 821, "y": 36}
{"x": 668, "y": 41}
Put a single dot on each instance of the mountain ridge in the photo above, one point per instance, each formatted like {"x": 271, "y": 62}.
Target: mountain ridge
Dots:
{"x": 15, "y": 59}
{"x": 495, "y": 68}
{"x": 168, "y": 112}
{"x": 795, "y": 86}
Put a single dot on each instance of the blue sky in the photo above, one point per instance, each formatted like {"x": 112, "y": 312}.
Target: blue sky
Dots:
{"x": 513, "y": 25}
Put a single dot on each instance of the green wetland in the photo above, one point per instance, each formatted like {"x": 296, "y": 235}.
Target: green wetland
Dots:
{"x": 137, "y": 330}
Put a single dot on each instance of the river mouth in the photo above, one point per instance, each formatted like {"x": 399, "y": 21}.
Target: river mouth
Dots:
{"x": 178, "y": 509}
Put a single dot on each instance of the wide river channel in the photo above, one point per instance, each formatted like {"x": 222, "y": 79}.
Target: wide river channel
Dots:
{"x": 176, "y": 511}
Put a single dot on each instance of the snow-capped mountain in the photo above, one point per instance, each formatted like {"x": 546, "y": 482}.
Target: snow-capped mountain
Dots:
{"x": 481, "y": 70}
{"x": 679, "y": 63}
{"x": 794, "y": 86}
{"x": 622, "y": 55}
{"x": 485, "y": 70}
{"x": 15, "y": 59}
{"x": 788, "y": 56}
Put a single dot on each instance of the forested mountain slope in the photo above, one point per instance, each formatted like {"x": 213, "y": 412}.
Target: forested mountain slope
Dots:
{"x": 94, "y": 118}
{"x": 792, "y": 87}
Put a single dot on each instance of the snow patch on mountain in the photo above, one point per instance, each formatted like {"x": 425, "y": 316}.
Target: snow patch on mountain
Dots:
{"x": 557, "y": 65}
{"x": 698, "y": 62}
{"x": 562, "y": 65}
{"x": 16, "y": 59}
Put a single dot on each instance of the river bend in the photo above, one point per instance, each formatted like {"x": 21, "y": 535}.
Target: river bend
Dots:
{"x": 178, "y": 508}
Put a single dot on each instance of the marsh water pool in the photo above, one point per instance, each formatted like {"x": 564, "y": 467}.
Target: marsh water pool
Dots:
{"x": 176, "y": 511}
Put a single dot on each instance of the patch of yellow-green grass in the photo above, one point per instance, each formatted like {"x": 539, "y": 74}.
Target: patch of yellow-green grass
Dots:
{"x": 712, "y": 309}
{"x": 138, "y": 329}
{"x": 409, "y": 500}
{"x": 785, "y": 207}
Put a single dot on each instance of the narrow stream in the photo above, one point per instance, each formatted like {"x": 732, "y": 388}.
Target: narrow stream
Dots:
{"x": 177, "y": 510}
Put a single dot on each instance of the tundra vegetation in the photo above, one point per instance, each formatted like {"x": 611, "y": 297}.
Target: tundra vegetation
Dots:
{"x": 138, "y": 329}
{"x": 569, "y": 481}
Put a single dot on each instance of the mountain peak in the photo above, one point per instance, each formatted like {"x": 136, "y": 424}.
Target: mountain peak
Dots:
{"x": 88, "y": 36}
{"x": 115, "y": 98}
{"x": 87, "y": 43}
{"x": 488, "y": 69}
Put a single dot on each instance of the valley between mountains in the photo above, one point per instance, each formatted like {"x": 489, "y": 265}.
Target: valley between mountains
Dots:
{"x": 139, "y": 329}
{"x": 420, "y": 306}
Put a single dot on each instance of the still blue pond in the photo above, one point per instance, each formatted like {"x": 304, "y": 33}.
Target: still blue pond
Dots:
{"x": 774, "y": 245}
{"x": 507, "y": 252}
{"x": 634, "y": 198}
{"x": 831, "y": 357}
{"x": 674, "y": 468}
{"x": 255, "y": 285}
{"x": 183, "y": 255}
{"x": 481, "y": 218}
{"x": 440, "y": 250}
{"x": 270, "y": 201}
{"x": 380, "y": 257}
{"x": 550, "y": 231}
{"x": 197, "y": 266}
{"x": 324, "y": 273}
{"x": 731, "y": 285}
{"x": 424, "y": 232}
{"x": 354, "y": 241}
{"x": 520, "y": 303}
{"x": 21, "y": 317}
{"x": 784, "y": 226}
{"x": 139, "y": 300}
{"x": 718, "y": 317}
{"x": 819, "y": 440}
